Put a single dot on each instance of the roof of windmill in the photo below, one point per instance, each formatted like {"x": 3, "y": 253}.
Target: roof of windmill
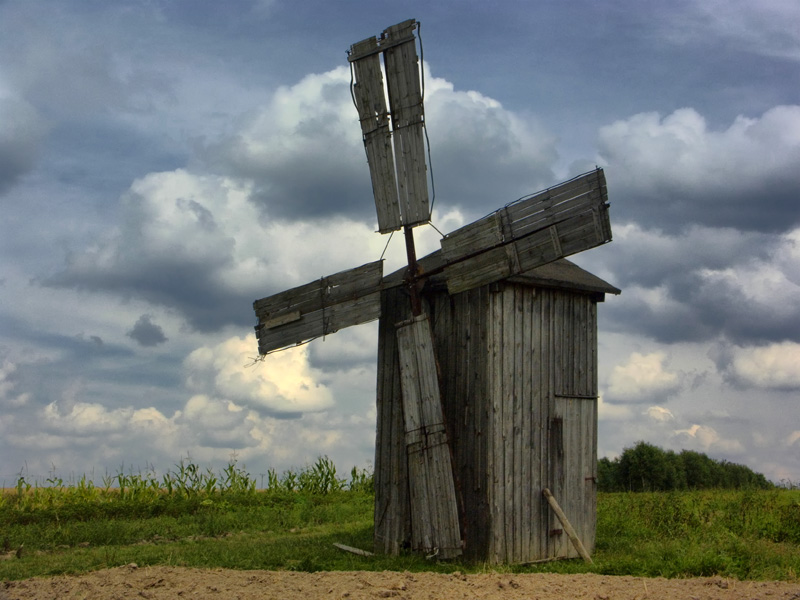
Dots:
{"x": 560, "y": 273}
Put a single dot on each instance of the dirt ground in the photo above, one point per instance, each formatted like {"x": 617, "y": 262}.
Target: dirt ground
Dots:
{"x": 174, "y": 582}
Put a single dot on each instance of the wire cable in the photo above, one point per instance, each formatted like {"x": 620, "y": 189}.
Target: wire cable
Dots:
{"x": 424, "y": 121}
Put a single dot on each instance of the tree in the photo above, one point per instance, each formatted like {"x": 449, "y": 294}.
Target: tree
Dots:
{"x": 645, "y": 468}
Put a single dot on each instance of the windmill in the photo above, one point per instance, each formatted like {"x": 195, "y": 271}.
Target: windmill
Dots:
{"x": 514, "y": 240}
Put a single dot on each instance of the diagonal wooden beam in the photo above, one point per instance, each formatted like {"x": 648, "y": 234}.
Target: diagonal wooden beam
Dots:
{"x": 319, "y": 308}
{"x": 563, "y": 220}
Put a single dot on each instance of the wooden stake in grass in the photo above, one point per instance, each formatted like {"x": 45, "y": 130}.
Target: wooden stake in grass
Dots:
{"x": 576, "y": 541}
{"x": 358, "y": 551}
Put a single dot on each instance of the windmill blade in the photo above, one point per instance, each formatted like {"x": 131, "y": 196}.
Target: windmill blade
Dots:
{"x": 563, "y": 220}
{"x": 399, "y": 180}
{"x": 434, "y": 508}
{"x": 373, "y": 113}
{"x": 405, "y": 99}
{"x": 318, "y": 308}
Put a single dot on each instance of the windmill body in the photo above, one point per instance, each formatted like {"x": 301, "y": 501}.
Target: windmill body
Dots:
{"x": 487, "y": 379}
{"x": 518, "y": 364}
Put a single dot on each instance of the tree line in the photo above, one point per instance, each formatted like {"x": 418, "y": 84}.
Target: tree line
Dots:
{"x": 648, "y": 468}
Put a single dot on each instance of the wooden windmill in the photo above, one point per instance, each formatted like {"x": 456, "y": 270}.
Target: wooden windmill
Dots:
{"x": 429, "y": 512}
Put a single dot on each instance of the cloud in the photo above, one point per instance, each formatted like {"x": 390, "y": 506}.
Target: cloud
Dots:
{"x": 215, "y": 423}
{"x": 671, "y": 171}
{"x": 484, "y": 155}
{"x": 303, "y": 150}
{"x": 186, "y": 242}
{"x": 199, "y": 245}
{"x": 272, "y": 414}
{"x": 147, "y": 333}
{"x": 8, "y": 383}
{"x": 767, "y": 28}
{"x": 92, "y": 68}
{"x": 85, "y": 419}
{"x": 704, "y": 283}
{"x": 774, "y": 366}
{"x": 282, "y": 385}
{"x": 707, "y": 439}
{"x": 289, "y": 189}
{"x": 642, "y": 379}
{"x": 22, "y": 131}
{"x": 612, "y": 412}
{"x": 660, "y": 414}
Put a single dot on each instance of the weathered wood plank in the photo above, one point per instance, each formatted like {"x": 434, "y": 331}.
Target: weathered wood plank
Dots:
{"x": 556, "y": 223}
{"x": 584, "y": 193}
{"x": 369, "y": 94}
{"x": 392, "y": 530}
{"x": 434, "y": 507}
{"x": 326, "y": 290}
{"x": 526, "y": 411}
{"x": 538, "y": 420}
{"x": 321, "y": 322}
{"x": 567, "y": 526}
{"x": 318, "y": 308}
{"x": 405, "y": 101}
{"x": 573, "y": 235}
{"x": 495, "y": 454}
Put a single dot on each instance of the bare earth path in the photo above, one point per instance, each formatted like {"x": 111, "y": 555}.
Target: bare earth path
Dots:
{"x": 174, "y": 582}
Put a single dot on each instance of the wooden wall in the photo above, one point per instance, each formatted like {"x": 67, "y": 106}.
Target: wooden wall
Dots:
{"x": 518, "y": 370}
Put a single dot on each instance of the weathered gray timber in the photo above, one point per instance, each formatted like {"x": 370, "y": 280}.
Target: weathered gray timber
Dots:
{"x": 518, "y": 364}
{"x": 434, "y": 509}
{"x": 487, "y": 352}
{"x": 558, "y": 222}
{"x": 373, "y": 113}
{"x": 399, "y": 180}
{"x": 319, "y": 308}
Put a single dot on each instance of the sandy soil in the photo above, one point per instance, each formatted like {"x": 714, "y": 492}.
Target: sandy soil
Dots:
{"x": 173, "y": 582}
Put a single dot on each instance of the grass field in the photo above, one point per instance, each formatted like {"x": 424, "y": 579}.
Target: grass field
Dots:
{"x": 194, "y": 517}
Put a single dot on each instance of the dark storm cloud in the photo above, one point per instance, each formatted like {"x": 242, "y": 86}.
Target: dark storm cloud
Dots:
{"x": 21, "y": 134}
{"x": 305, "y": 154}
{"x": 697, "y": 308}
{"x": 673, "y": 171}
{"x": 701, "y": 283}
{"x": 147, "y": 333}
{"x": 188, "y": 288}
{"x": 652, "y": 257}
{"x": 302, "y": 151}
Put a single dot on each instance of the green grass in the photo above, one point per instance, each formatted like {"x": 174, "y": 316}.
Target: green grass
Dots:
{"x": 197, "y": 518}
{"x": 743, "y": 534}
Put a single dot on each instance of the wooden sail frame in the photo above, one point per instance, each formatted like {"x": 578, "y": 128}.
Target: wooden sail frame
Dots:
{"x": 563, "y": 220}
{"x": 393, "y": 136}
{"x": 435, "y": 527}
{"x": 319, "y": 308}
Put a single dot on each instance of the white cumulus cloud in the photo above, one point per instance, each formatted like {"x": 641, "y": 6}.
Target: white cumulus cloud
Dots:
{"x": 673, "y": 170}
{"x": 284, "y": 384}
{"x": 775, "y": 366}
{"x": 642, "y": 378}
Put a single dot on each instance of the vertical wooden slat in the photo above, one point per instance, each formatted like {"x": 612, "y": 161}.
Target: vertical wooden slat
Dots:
{"x": 525, "y": 417}
{"x": 535, "y": 484}
{"x": 507, "y": 404}
{"x": 405, "y": 100}
{"x": 373, "y": 114}
{"x": 434, "y": 507}
{"x": 516, "y": 377}
{"x": 495, "y": 457}
{"x": 392, "y": 522}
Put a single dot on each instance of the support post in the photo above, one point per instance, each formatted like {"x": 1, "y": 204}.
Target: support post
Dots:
{"x": 576, "y": 541}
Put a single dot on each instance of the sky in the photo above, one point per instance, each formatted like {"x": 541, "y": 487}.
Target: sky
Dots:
{"x": 164, "y": 163}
